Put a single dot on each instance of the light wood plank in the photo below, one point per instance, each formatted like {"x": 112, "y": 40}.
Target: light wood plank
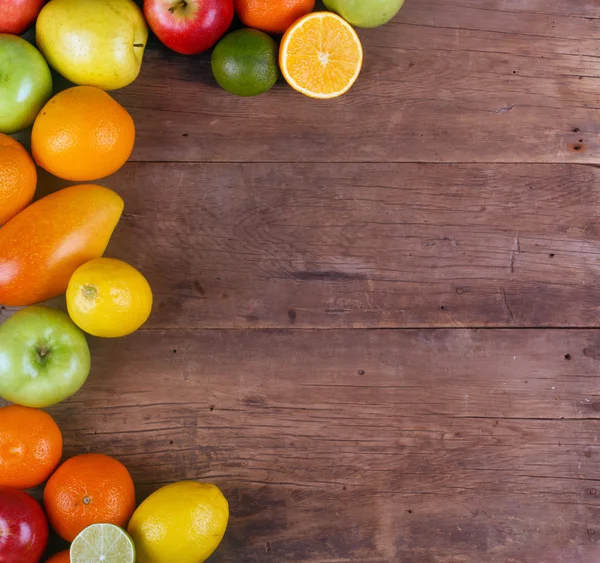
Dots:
{"x": 371, "y": 446}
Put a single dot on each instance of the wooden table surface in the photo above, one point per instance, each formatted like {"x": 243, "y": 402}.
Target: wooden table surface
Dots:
{"x": 376, "y": 317}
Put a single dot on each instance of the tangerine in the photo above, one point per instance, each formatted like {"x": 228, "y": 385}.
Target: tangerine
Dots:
{"x": 272, "y": 16}
{"x": 30, "y": 446}
{"x": 18, "y": 178}
{"x": 88, "y": 489}
{"x": 82, "y": 134}
{"x": 62, "y": 557}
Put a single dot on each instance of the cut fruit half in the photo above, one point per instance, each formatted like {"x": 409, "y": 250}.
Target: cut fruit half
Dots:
{"x": 321, "y": 55}
{"x": 103, "y": 542}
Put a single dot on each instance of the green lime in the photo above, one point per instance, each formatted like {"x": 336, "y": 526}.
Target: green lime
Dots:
{"x": 245, "y": 62}
{"x": 103, "y": 542}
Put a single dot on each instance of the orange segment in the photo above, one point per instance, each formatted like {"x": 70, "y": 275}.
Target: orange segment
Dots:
{"x": 321, "y": 55}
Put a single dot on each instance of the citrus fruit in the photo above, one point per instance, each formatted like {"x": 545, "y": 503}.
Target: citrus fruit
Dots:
{"x": 244, "y": 62}
{"x": 88, "y": 489}
{"x": 17, "y": 178}
{"x": 182, "y": 522}
{"x": 62, "y": 557}
{"x": 102, "y": 542}
{"x": 321, "y": 55}
{"x": 108, "y": 298}
{"x": 30, "y": 446}
{"x": 82, "y": 134}
{"x": 272, "y": 16}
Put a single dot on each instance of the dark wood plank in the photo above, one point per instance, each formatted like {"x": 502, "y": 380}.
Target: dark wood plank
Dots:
{"x": 372, "y": 446}
{"x": 268, "y": 245}
{"x": 477, "y": 81}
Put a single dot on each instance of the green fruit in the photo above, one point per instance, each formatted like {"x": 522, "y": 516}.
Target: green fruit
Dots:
{"x": 103, "y": 542}
{"x": 25, "y": 83}
{"x": 245, "y": 62}
{"x": 365, "y": 13}
{"x": 44, "y": 357}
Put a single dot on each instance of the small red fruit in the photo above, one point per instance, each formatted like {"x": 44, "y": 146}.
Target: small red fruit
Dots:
{"x": 23, "y": 527}
{"x": 18, "y": 15}
{"x": 189, "y": 26}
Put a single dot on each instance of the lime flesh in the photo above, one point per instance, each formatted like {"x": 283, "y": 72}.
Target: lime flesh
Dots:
{"x": 102, "y": 543}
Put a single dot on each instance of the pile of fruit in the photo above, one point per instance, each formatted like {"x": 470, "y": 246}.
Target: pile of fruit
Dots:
{"x": 101, "y": 43}
{"x": 55, "y": 246}
{"x": 89, "y": 500}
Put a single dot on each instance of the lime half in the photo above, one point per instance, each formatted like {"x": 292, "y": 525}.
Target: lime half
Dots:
{"x": 103, "y": 543}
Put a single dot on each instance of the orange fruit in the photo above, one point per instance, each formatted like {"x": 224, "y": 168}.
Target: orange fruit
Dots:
{"x": 272, "y": 16}
{"x": 88, "y": 489}
{"x": 82, "y": 134}
{"x": 30, "y": 446}
{"x": 62, "y": 557}
{"x": 321, "y": 55}
{"x": 18, "y": 178}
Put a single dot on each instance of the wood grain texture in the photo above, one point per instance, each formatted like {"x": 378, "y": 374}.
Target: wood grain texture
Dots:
{"x": 477, "y": 81}
{"x": 330, "y": 246}
{"x": 372, "y": 446}
{"x": 455, "y": 186}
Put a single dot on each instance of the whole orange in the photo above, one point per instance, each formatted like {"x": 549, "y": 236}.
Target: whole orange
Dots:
{"x": 82, "y": 134}
{"x": 272, "y": 16}
{"x": 88, "y": 489}
{"x": 62, "y": 557}
{"x": 17, "y": 178}
{"x": 30, "y": 446}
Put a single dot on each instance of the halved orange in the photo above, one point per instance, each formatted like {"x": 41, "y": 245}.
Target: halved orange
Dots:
{"x": 321, "y": 55}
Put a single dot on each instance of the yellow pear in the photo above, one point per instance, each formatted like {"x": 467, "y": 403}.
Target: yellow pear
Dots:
{"x": 93, "y": 42}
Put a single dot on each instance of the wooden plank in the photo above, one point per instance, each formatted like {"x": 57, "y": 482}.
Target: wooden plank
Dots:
{"x": 478, "y": 81}
{"x": 373, "y": 446}
{"x": 278, "y": 245}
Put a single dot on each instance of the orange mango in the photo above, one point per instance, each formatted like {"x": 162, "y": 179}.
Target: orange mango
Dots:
{"x": 42, "y": 246}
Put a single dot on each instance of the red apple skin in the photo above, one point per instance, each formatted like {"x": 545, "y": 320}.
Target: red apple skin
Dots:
{"x": 23, "y": 527}
{"x": 189, "y": 27}
{"x": 18, "y": 15}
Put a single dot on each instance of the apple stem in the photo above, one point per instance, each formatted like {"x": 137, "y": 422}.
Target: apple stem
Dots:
{"x": 42, "y": 352}
{"x": 177, "y": 6}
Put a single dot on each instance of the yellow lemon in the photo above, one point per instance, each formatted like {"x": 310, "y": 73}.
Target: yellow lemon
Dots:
{"x": 108, "y": 298}
{"x": 183, "y": 522}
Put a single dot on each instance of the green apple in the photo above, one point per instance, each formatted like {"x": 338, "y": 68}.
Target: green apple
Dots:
{"x": 93, "y": 43}
{"x": 44, "y": 357}
{"x": 365, "y": 13}
{"x": 25, "y": 83}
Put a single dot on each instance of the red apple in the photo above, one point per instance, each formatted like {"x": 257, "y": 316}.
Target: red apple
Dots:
{"x": 18, "y": 15}
{"x": 189, "y": 26}
{"x": 23, "y": 527}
